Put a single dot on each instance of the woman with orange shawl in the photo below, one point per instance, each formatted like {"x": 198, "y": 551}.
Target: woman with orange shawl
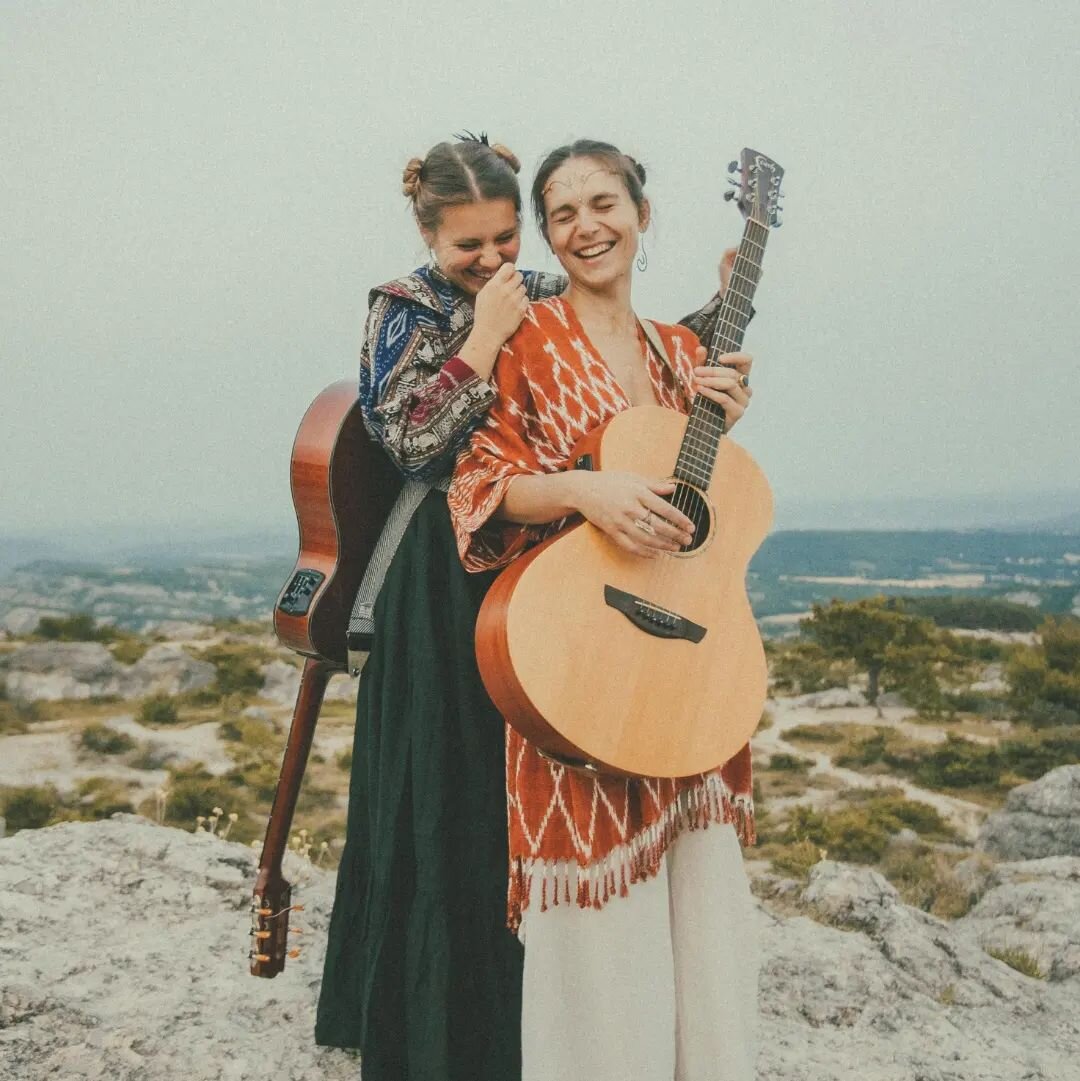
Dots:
{"x": 640, "y": 956}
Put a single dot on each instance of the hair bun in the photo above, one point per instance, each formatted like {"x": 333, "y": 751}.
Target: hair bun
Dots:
{"x": 410, "y": 178}
{"x": 639, "y": 169}
{"x": 507, "y": 155}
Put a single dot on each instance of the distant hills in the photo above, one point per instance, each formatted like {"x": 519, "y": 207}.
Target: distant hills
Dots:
{"x": 792, "y": 571}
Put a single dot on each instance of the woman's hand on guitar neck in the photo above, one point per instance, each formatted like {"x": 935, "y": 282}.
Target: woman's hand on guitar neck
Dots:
{"x": 632, "y": 511}
{"x": 723, "y": 383}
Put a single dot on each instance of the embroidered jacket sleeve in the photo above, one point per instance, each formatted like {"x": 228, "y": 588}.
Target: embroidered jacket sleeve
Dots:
{"x": 419, "y": 400}
{"x": 703, "y": 321}
{"x": 540, "y": 285}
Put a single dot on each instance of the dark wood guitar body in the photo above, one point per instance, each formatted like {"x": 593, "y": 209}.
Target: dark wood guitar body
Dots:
{"x": 343, "y": 486}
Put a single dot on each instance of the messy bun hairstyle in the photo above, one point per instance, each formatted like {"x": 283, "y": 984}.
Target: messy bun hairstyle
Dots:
{"x": 632, "y": 173}
{"x": 469, "y": 170}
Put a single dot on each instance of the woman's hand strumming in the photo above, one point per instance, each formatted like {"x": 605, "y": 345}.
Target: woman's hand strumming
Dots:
{"x": 633, "y": 512}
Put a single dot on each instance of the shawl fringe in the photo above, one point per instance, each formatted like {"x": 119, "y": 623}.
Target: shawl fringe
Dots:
{"x": 593, "y": 885}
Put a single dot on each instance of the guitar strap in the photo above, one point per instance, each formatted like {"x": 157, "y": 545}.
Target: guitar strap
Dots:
{"x": 362, "y": 620}
{"x": 653, "y": 336}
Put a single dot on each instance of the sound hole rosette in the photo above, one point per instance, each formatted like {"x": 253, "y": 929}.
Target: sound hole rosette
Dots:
{"x": 694, "y": 502}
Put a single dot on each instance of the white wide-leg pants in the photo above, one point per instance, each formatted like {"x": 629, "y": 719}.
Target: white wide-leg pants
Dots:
{"x": 656, "y": 986}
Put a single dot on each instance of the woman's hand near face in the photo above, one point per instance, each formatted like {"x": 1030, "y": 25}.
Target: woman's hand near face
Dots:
{"x": 724, "y": 384}
{"x": 500, "y": 307}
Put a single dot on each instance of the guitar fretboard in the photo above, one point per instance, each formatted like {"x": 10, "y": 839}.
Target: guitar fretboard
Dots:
{"x": 705, "y": 429}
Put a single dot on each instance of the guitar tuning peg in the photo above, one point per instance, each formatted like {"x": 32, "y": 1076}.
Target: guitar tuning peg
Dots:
{"x": 728, "y": 196}
{"x": 732, "y": 166}
{"x": 733, "y": 181}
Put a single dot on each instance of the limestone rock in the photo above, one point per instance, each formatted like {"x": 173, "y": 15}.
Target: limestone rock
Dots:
{"x": 1033, "y": 906}
{"x": 281, "y": 681}
{"x": 167, "y": 669}
{"x": 53, "y": 670}
{"x": 154, "y": 984}
{"x": 24, "y": 620}
{"x": 1039, "y": 819}
{"x": 849, "y": 896}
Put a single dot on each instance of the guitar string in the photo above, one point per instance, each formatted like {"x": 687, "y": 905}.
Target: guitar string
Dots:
{"x": 728, "y": 332}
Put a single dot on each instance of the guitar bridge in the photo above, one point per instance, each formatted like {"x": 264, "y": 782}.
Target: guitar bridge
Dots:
{"x": 651, "y": 618}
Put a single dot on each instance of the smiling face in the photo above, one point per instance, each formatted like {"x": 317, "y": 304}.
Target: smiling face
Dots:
{"x": 473, "y": 240}
{"x": 593, "y": 224}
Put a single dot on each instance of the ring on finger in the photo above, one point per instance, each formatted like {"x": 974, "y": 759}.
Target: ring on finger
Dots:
{"x": 744, "y": 381}
{"x": 644, "y": 523}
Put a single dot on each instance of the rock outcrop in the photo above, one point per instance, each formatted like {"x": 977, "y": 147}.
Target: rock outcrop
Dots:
{"x": 125, "y": 944}
{"x": 1039, "y": 819}
{"x": 50, "y": 671}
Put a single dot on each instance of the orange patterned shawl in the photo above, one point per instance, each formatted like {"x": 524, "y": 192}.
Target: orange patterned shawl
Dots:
{"x": 573, "y": 835}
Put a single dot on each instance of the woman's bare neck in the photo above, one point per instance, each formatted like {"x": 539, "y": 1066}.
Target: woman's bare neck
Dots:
{"x": 607, "y": 312}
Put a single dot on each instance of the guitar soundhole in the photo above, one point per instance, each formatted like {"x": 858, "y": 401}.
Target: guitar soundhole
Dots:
{"x": 696, "y": 507}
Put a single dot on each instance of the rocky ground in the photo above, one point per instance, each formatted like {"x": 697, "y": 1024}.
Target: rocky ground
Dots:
{"x": 124, "y": 957}
{"x": 123, "y": 942}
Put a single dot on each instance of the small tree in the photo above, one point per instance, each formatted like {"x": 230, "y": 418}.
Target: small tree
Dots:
{"x": 879, "y": 636}
{"x": 1048, "y": 674}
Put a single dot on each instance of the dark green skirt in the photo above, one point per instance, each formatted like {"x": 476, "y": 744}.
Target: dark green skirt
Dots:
{"x": 421, "y": 972}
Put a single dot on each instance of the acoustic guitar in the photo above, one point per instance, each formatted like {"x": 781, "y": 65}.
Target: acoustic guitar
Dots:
{"x": 343, "y": 486}
{"x": 649, "y": 667}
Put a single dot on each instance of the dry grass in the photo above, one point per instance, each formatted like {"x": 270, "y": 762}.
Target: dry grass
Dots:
{"x": 1020, "y": 960}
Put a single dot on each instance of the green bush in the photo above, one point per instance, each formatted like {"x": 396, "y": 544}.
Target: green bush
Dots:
{"x": 866, "y": 751}
{"x": 80, "y": 627}
{"x": 958, "y": 763}
{"x": 802, "y": 667}
{"x": 925, "y": 879}
{"x": 861, "y": 832}
{"x": 15, "y": 715}
{"x": 817, "y": 733}
{"x": 100, "y": 797}
{"x": 974, "y": 613}
{"x": 101, "y": 739}
{"x": 1061, "y": 644}
{"x": 129, "y": 649}
{"x": 794, "y": 859}
{"x": 790, "y": 763}
{"x": 1043, "y": 714}
{"x": 29, "y": 807}
{"x": 194, "y": 791}
{"x": 159, "y": 709}
{"x": 344, "y": 760}
{"x": 238, "y": 670}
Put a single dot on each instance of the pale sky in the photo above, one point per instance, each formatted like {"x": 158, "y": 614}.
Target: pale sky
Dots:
{"x": 196, "y": 198}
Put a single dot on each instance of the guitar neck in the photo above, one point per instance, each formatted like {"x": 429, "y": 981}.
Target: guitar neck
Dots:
{"x": 707, "y": 424}
{"x": 305, "y": 713}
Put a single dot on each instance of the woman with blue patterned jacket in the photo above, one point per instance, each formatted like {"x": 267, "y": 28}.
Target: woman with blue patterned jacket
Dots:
{"x": 421, "y": 972}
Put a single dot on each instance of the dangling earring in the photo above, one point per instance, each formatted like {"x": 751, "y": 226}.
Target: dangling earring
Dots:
{"x": 642, "y": 260}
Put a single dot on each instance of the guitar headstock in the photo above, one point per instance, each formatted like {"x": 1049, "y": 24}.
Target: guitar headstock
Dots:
{"x": 271, "y": 904}
{"x": 755, "y": 184}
